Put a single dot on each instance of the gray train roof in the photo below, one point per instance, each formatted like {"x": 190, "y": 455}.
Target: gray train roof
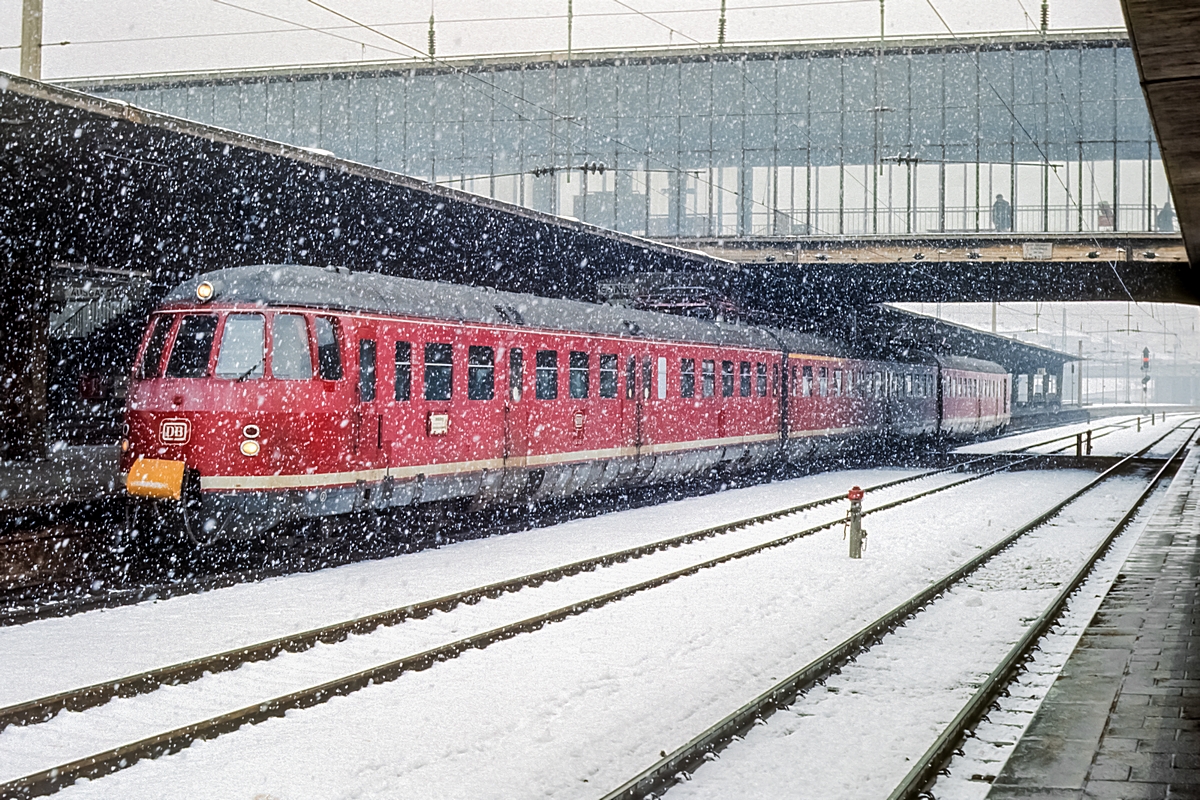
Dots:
{"x": 346, "y": 290}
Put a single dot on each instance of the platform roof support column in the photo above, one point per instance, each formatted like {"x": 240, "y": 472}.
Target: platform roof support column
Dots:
{"x": 23, "y": 364}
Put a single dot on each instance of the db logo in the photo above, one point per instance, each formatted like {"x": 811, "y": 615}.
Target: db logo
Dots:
{"x": 175, "y": 431}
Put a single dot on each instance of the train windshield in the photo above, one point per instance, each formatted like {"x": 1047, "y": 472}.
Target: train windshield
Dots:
{"x": 242, "y": 348}
{"x": 152, "y": 356}
{"x": 193, "y": 346}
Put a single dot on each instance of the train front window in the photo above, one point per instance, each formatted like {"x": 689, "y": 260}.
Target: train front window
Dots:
{"x": 193, "y": 346}
{"x": 608, "y": 375}
{"x": 290, "y": 357}
{"x": 151, "y": 364}
{"x": 243, "y": 349}
{"x": 481, "y": 373}
{"x": 439, "y": 371}
{"x": 547, "y": 375}
{"x": 329, "y": 354}
{"x": 579, "y": 374}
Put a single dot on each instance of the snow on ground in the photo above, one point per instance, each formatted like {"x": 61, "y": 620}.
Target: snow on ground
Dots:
{"x": 995, "y": 738}
{"x": 54, "y": 655}
{"x": 861, "y": 733}
{"x": 580, "y": 706}
{"x": 1117, "y": 436}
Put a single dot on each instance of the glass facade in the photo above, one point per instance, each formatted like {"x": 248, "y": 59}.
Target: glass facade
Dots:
{"x": 1023, "y": 135}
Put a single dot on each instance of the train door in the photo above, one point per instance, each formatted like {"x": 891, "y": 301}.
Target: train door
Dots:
{"x": 516, "y": 412}
{"x": 367, "y": 418}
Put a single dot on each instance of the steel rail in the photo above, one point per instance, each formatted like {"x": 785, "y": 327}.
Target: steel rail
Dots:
{"x": 925, "y": 771}
{"x": 100, "y": 764}
{"x": 685, "y": 759}
{"x": 82, "y": 698}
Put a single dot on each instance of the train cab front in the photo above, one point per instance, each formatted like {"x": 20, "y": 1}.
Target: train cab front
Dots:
{"x": 197, "y": 414}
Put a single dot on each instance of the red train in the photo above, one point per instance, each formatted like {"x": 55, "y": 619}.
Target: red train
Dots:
{"x": 264, "y": 394}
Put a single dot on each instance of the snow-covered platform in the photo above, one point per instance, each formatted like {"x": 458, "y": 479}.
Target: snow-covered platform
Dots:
{"x": 70, "y": 474}
{"x": 1123, "y": 718}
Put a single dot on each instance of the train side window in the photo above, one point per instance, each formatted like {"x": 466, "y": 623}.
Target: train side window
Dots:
{"x": 687, "y": 377}
{"x": 806, "y": 385}
{"x": 662, "y": 378}
{"x": 608, "y": 375}
{"x": 837, "y": 383}
{"x": 578, "y": 376}
{"x": 193, "y": 347}
{"x": 630, "y": 378}
{"x": 329, "y": 354}
{"x": 403, "y": 370}
{"x": 366, "y": 370}
{"x": 647, "y": 377}
{"x": 243, "y": 348}
{"x": 516, "y": 373}
{"x": 823, "y": 382}
{"x": 481, "y": 373}
{"x": 151, "y": 364}
{"x": 775, "y": 380}
{"x": 794, "y": 388}
{"x": 761, "y": 379}
{"x": 439, "y": 371}
{"x": 708, "y": 378}
{"x": 744, "y": 379}
{"x": 291, "y": 359}
{"x": 727, "y": 379}
{"x": 547, "y": 374}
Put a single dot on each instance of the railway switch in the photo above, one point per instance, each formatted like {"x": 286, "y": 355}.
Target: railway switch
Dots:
{"x": 858, "y": 536}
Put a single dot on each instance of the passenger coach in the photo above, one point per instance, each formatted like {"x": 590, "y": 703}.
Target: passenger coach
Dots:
{"x": 270, "y": 393}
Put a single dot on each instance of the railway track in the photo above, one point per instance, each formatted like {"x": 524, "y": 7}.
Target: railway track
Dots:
{"x": 682, "y": 764}
{"x": 173, "y": 738}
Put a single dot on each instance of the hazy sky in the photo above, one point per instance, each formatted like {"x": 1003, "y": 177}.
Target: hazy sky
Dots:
{"x": 113, "y": 37}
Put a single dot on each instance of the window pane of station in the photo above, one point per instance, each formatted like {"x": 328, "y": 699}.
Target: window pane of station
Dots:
{"x": 439, "y": 371}
{"x": 151, "y": 363}
{"x": 403, "y": 370}
{"x": 579, "y": 374}
{"x": 193, "y": 346}
{"x": 547, "y": 374}
{"x": 608, "y": 375}
{"x": 242, "y": 355}
{"x": 329, "y": 354}
{"x": 481, "y": 373}
{"x": 290, "y": 356}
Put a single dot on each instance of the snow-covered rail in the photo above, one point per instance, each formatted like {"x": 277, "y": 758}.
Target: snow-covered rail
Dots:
{"x": 680, "y": 764}
{"x": 262, "y": 704}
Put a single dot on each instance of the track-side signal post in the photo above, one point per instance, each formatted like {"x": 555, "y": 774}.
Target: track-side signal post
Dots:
{"x": 858, "y": 536}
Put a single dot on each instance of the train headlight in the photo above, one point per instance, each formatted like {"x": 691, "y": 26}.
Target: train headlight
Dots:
{"x": 250, "y": 448}
{"x": 205, "y": 291}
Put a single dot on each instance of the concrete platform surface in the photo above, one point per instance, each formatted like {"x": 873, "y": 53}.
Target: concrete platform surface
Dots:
{"x": 1122, "y": 721}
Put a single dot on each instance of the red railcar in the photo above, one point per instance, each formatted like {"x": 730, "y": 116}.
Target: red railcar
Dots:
{"x": 270, "y": 393}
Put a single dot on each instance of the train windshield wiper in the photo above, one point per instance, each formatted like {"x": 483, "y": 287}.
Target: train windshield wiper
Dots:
{"x": 248, "y": 372}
